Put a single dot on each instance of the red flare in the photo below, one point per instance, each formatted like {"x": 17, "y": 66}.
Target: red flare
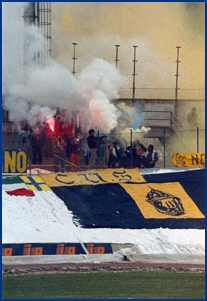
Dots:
{"x": 52, "y": 127}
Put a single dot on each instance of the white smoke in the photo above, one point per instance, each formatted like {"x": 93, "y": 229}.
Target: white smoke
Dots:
{"x": 143, "y": 129}
{"x": 12, "y": 44}
{"x": 45, "y": 87}
{"x": 103, "y": 113}
{"x": 100, "y": 75}
{"x": 39, "y": 115}
{"x": 34, "y": 42}
{"x": 17, "y": 108}
{"x": 98, "y": 84}
{"x": 52, "y": 85}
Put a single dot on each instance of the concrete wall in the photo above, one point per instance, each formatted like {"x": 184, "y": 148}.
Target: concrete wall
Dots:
{"x": 183, "y": 107}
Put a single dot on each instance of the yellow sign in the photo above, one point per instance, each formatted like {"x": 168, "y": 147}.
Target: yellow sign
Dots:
{"x": 188, "y": 159}
{"x": 93, "y": 177}
{"x": 14, "y": 161}
{"x": 163, "y": 200}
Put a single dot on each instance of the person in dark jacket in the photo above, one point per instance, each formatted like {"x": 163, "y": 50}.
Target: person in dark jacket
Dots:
{"x": 22, "y": 140}
{"x": 37, "y": 145}
{"x": 93, "y": 145}
{"x": 119, "y": 154}
{"x": 48, "y": 137}
{"x": 75, "y": 154}
{"x": 193, "y": 118}
{"x": 126, "y": 158}
{"x": 151, "y": 156}
{"x": 138, "y": 153}
{"x": 67, "y": 131}
{"x": 92, "y": 142}
{"x": 59, "y": 154}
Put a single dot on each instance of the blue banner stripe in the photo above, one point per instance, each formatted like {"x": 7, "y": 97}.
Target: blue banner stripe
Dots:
{"x": 33, "y": 182}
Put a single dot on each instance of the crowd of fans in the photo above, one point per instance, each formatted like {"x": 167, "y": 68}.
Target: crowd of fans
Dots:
{"x": 62, "y": 143}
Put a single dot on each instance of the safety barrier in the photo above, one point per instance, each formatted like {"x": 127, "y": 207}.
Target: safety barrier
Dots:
{"x": 54, "y": 249}
{"x": 27, "y": 249}
{"x": 165, "y": 140}
{"x": 7, "y": 251}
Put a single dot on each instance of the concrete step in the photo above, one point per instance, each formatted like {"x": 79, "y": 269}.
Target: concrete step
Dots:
{"x": 158, "y": 132}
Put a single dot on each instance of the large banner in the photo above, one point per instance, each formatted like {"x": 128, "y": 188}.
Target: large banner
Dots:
{"x": 93, "y": 177}
{"x": 163, "y": 200}
{"x": 174, "y": 200}
{"x": 14, "y": 161}
{"x": 188, "y": 159}
{"x": 171, "y": 200}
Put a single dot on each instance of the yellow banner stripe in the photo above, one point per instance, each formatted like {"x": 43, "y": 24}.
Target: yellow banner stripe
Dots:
{"x": 188, "y": 159}
{"x": 35, "y": 183}
{"x": 163, "y": 200}
{"x": 93, "y": 177}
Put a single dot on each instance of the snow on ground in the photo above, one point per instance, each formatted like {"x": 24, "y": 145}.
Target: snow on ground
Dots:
{"x": 156, "y": 170}
{"x": 44, "y": 218}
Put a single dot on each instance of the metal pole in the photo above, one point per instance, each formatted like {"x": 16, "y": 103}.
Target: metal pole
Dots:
{"x": 43, "y": 15}
{"x": 134, "y": 74}
{"x": 176, "y": 84}
{"x": 74, "y": 58}
{"x": 116, "y": 59}
{"x": 164, "y": 146}
{"x": 29, "y": 17}
{"x": 171, "y": 120}
{"x": 197, "y": 139}
{"x": 131, "y": 147}
{"x": 30, "y": 165}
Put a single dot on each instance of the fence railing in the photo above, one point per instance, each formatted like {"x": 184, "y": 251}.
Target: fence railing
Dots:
{"x": 164, "y": 145}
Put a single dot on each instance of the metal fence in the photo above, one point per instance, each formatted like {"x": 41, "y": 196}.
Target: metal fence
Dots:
{"x": 165, "y": 142}
{"x": 162, "y": 93}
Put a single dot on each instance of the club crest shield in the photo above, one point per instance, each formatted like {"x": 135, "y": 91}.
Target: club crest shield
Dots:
{"x": 165, "y": 203}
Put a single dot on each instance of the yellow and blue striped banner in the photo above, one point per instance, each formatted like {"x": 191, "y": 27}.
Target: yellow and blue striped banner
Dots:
{"x": 93, "y": 177}
{"x": 35, "y": 183}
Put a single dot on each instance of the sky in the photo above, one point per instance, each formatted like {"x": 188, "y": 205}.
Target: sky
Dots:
{"x": 155, "y": 27}
{"x": 44, "y": 218}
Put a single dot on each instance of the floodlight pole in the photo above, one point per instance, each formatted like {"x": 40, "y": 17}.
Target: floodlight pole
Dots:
{"x": 74, "y": 58}
{"x": 134, "y": 74}
{"x": 116, "y": 59}
{"x": 176, "y": 84}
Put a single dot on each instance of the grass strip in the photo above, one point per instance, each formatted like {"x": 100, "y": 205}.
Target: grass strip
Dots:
{"x": 106, "y": 284}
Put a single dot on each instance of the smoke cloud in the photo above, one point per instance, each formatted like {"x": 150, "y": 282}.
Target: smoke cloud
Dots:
{"x": 155, "y": 27}
{"x": 43, "y": 88}
{"x": 33, "y": 92}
